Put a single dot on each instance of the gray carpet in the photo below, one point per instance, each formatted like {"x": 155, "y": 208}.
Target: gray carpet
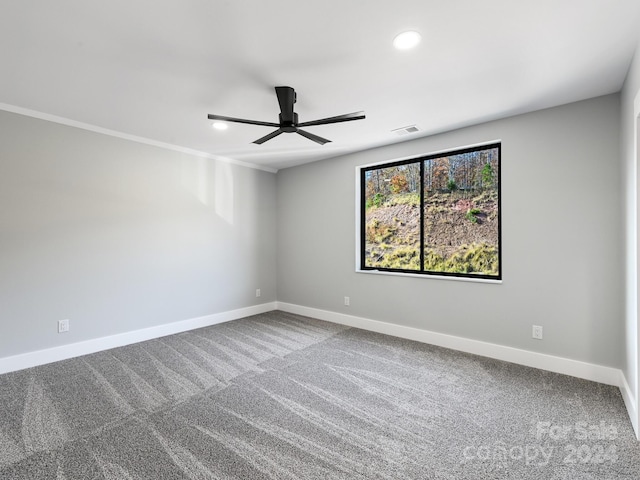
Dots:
{"x": 279, "y": 396}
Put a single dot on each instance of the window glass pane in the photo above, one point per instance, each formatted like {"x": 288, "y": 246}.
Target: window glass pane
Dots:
{"x": 461, "y": 217}
{"x": 456, "y": 233}
{"x": 392, "y": 217}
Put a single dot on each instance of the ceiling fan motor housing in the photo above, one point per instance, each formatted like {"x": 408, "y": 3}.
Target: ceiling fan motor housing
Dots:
{"x": 289, "y": 126}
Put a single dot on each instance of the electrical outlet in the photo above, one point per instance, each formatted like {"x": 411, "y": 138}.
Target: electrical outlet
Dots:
{"x": 347, "y": 301}
{"x": 63, "y": 325}
{"x": 537, "y": 332}
{"x": 257, "y": 292}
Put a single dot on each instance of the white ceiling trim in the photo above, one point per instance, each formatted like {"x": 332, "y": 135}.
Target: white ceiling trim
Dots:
{"x": 125, "y": 136}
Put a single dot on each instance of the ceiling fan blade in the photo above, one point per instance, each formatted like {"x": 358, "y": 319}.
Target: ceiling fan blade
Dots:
{"x": 260, "y": 141}
{"x": 313, "y": 137}
{"x": 241, "y": 120}
{"x": 286, "y": 99}
{"x": 347, "y": 117}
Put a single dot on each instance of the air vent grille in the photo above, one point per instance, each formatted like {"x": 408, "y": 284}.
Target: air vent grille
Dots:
{"x": 406, "y": 130}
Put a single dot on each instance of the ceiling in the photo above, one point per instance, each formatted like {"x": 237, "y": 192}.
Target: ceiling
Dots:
{"x": 154, "y": 69}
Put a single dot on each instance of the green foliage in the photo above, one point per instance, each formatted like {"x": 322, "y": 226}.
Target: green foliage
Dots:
{"x": 475, "y": 258}
{"x": 404, "y": 257}
{"x": 472, "y": 214}
{"x": 375, "y": 201}
{"x": 488, "y": 176}
{"x": 378, "y": 232}
{"x": 436, "y": 209}
{"x": 433, "y": 261}
{"x": 403, "y": 199}
{"x": 451, "y": 185}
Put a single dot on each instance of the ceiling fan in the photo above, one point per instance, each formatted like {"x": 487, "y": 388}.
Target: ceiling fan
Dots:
{"x": 289, "y": 119}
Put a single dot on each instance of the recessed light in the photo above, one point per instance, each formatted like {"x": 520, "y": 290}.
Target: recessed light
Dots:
{"x": 220, "y": 126}
{"x": 406, "y": 40}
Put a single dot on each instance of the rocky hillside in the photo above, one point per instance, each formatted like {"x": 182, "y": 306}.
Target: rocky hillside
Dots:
{"x": 456, "y": 224}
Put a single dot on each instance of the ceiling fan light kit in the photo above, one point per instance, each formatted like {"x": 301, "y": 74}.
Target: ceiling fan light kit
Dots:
{"x": 288, "y": 119}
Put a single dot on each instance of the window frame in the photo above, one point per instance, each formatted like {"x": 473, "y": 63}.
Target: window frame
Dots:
{"x": 421, "y": 158}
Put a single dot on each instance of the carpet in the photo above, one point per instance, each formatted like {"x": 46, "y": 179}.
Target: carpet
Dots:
{"x": 281, "y": 396}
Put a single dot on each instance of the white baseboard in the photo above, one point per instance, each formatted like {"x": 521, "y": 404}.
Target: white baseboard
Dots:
{"x": 574, "y": 368}
{"x": 41, "y": 357}
{"x": 631, "y": 403}
{"x": 565, "y": 366}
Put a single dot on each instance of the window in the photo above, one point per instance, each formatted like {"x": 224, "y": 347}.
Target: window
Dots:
{"x": 436, "y": 214}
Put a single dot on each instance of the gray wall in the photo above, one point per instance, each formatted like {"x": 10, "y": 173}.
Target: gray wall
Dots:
{"x": 118, "y": 236}
{"x": 630, "y": 89}
{"x": 562, "y": 238}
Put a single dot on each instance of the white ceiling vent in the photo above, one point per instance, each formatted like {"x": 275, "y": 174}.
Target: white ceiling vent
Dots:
{"x": 406, "y": 130}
